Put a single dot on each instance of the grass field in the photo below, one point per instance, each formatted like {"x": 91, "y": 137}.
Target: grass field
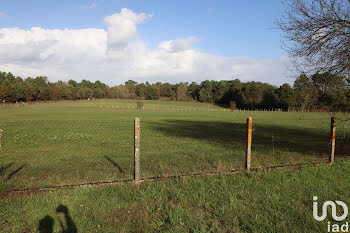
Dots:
{"x": 92, "y": 141}
{"x": 278, "y": 201}
{"x": 72, "y": 143}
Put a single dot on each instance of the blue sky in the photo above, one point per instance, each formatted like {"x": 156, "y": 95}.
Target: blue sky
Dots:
{"x": 227, "y": 29}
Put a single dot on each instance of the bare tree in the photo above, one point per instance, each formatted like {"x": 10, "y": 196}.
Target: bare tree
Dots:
{"x": 317, "y": 35}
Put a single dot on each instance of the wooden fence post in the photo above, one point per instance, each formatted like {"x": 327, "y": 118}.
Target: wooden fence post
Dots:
{"x": 332, "y": 140}
{"x": 249, "y": 142}
{"x": 1, "y": 133}
{"x": 137, "y": 151}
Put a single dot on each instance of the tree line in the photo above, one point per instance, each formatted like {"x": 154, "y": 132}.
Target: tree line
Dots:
{"x": 316, "y": 92}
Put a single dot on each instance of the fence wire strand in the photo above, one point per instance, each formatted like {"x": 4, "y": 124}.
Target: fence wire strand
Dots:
{"x": 40, "y": 153}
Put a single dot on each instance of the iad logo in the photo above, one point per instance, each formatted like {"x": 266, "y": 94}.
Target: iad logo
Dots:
{"x": 333, "y": 205}
{"x": 334, "y": 210}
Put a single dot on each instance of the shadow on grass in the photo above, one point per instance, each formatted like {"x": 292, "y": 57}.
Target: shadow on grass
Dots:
{"x": 286, "y": 139}
{"x": 342, "y": 145}
{"x": 14, "y": 172}
{"x": 222, "y": 105}
{"x": 46, "y": 224}
{"x": 4, "y": 168}
{"x": 115, "y": 164}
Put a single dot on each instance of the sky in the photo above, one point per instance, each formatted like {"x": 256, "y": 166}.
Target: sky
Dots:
{"x": 154, "y": 40}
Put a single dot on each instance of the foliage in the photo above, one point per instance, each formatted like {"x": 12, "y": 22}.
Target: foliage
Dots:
{"x": 131, "y": 85}
{"x": 140, "y": 105}
{"x": 14, "y": 89}
{"x": 233, "y": 105}
{"x": 152, "y": 92}
{"x": 140, "y": 90}
{"x": 323, "y": 91}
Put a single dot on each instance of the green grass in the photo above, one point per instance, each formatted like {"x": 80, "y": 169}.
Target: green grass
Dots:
{"x": 279, "y": 201}
{"x": 148, "y": 105}
{"x": 82, "y": 142}
{"x": 72, "y": 143}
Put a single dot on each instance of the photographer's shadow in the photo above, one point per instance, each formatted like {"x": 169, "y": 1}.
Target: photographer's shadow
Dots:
{"x": 47, "y": 223}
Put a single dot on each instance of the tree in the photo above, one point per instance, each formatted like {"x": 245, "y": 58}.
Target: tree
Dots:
{"x": 270, "y": 99}
{"x": 317, "y": 35}
{"x": 88, "y": 92}
{"x": 98, "y": 93}
{"x": 286, "y": 96}
{"x": 29, "y": 92}
{"x": 206, "y": 91}
{"x": 121, "y": 92}
{"x": 193, "y": 91}
{"x": 335, "y": 100}
{"x": 164, "y": 89}
{"x": 306, "y": 92}
{"x": 44, "y": 93}
{"x": 233, "y": 93}
{"x": 63, "y": 90}
{"x": 81, "y": 93}
{"x": 140, "y": 90}
{"x": 131, "y": 84}
{"x": 181, "y": 92}
{"x": 219, "y": 90}
{"x": 327, "y": 81}
{"x": 72, "y": 83}
{"x": 42, "y": 88}
{"x": 152, "y": 92}
{"x": 252, "y": 94}
{"x": 99, "y": 84}
{"x": 86, "y": 83}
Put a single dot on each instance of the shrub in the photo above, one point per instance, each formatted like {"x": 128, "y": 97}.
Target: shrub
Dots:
{"x": 233, "y": 105}
{"x": 140, "y": 105}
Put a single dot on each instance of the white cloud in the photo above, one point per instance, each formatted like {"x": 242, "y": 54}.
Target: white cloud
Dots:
{"x": 178, "y": 44}
{"x": 118, "y": 54}
{"x": 122, "y": 28}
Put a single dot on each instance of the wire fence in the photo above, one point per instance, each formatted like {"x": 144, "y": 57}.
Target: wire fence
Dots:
{"x": 65, "y": 152}
{"x": 284, "y": 143}
{"x": 343, "y": 137}
{"x": 131, "y": 105}
{"x": 43, "y": 153}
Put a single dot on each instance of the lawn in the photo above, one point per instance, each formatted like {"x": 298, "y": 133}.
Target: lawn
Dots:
{"x": 92, "y": 141}
{"x": 277, "y": 201}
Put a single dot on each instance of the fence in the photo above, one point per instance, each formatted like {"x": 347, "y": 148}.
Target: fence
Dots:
{"x": 84, "y": 103}
{"x": 29, "y": 103}
{"x": 178, "y": 147}
{"x": 43, "y": 153}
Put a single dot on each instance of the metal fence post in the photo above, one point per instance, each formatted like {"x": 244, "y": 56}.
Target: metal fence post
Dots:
{"x": 137, "y": 151}
{"x": 249, "y": 142}
{"x": 332, "y": 140}
{"x": 1, "y": 133}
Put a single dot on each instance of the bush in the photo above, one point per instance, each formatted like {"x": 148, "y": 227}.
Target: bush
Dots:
{"x": 233, "y": 105}
{"x": 140, "y": 105}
